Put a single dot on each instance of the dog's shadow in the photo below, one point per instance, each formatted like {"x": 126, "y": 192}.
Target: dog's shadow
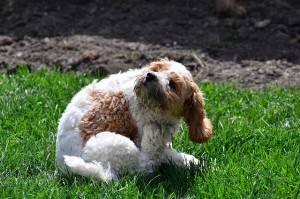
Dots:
{"x": 173, "y": 179}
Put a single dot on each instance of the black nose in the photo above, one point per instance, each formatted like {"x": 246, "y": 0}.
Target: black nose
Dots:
{"x": 151, "y": 77}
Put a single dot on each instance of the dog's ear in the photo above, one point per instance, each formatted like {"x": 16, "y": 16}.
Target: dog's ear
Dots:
{"x": 200, "y": 128}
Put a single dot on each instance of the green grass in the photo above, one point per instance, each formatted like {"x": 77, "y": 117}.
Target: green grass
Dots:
{"x": 254, "y": 152}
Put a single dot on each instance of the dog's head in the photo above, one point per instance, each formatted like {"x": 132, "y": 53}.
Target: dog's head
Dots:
{"x": 166, "y": 87}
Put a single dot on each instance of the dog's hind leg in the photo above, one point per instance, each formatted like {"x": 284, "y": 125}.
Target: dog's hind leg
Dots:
{"x": 104, "y": 157}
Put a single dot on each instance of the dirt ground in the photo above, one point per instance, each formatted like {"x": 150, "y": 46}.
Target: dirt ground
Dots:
{"x": 92, "y": 36}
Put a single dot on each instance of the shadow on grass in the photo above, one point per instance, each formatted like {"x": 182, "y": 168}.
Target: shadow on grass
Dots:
{"x": 173, "y": 179}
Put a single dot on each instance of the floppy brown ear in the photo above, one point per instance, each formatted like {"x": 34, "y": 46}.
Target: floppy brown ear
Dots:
{"x": 200, "y": 128}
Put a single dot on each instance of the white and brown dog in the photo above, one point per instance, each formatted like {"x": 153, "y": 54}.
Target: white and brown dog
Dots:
{"x": 127, "y": 121}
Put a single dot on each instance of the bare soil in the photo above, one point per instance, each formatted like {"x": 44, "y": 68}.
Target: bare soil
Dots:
{"x": 92, "y": 36}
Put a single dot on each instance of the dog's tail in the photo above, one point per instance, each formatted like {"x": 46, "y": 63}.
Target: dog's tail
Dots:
{"x": 95, "y": 170}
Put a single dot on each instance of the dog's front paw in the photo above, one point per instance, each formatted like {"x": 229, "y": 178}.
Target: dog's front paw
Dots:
{"x": 190, "y": 159}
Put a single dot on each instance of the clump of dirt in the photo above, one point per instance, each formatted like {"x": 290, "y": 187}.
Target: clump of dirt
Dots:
{"x": 95, "y": 36}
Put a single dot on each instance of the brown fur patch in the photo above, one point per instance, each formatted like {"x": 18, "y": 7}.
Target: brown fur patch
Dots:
{"x": 109, "y": 112}
{"x": 172, "y": 106}
{"x": 178, "y": 81}
{"x": 159, "y": 66}
{"x": 200, "y": 128}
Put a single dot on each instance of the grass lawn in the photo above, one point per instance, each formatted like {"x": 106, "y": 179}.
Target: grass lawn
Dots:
{"x": 254, "y": 152}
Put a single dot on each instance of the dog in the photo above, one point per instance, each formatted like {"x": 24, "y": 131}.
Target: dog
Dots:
{"x": 127, "y": 122}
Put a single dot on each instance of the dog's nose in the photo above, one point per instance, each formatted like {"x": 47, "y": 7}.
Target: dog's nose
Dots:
{"x": 151, "y": 77}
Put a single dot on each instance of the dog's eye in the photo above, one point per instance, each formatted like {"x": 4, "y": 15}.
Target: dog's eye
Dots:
{"x": 172, "y": 85}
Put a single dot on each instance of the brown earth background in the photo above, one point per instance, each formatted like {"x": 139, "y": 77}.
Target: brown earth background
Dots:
{"x": 100, "y": 36}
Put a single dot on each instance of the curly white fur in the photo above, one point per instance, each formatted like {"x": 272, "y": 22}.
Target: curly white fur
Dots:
{"x": 150, "y": 103}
